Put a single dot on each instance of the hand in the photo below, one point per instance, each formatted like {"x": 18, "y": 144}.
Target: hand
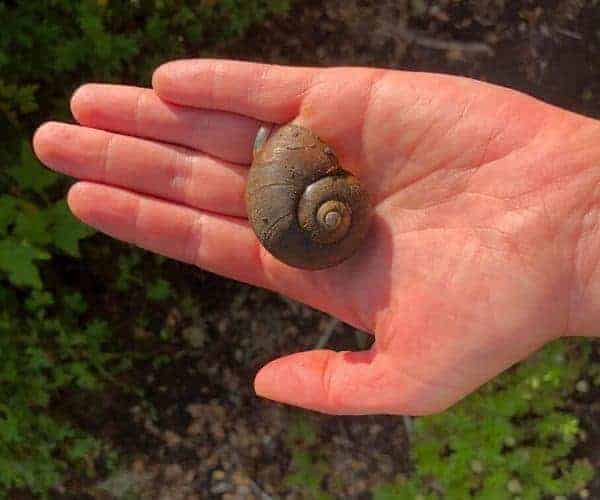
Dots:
{"x": 484, "y": 245}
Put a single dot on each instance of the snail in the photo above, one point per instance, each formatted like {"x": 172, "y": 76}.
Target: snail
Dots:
{"x": 304, "y": 208}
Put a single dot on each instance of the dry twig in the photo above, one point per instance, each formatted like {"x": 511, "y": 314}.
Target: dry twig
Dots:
{"x": 423, "y": 40}
{"x": 327, "y": 332}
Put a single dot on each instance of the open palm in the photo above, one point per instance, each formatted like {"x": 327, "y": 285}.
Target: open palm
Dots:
{"x": 467, "y": 267}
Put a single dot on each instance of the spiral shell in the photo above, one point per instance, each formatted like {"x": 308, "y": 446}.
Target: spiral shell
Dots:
{"x": 304, "y": 208}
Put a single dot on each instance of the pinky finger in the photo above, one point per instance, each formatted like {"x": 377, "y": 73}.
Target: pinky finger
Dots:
{"x": 218, "y": 243}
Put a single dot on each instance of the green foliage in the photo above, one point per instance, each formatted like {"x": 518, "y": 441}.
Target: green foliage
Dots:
{"x": 594, "y": 373}
{"x": 60, "y": 42}
{"x": 512, "y": 438}
{"x": 28, "y": 174}
{"x": 159, "y": 290}
{"x": 128, "y": 275}
{"x": 29, "y": 231}
{"x": 45, "y": 350}
{"x": 308, "y": 468}
{"x": 66, "y": 231}
{"x": 403, "y": 489}
{"x": 50, "y": 347}
{"x": 17, "y": 260}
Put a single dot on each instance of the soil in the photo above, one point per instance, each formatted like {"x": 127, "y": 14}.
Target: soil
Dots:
{"x": 199, "y": 431}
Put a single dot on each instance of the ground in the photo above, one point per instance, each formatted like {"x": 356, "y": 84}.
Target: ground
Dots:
{"x": 201, "y": 432}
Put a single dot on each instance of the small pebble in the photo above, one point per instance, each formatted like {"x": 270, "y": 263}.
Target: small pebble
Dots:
{"x": 240, "y": 479}
{"x": 477, "y": 466}
{"x": 172, "y": 439}
{"x": 243, "y": 491}
{"x": 514, "y": 486}
{"x": 173, "y": 471}
{"x": 220, "y": 488}
{"x": 195, "y": 410}
{"x": 375, "y": 429}
{"x": 195, "y": 428}
{"x": 218, "y": 475}
{"x": 138, "y": 466}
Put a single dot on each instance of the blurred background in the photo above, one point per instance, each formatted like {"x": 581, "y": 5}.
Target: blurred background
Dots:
{"x": 124, "y": 375}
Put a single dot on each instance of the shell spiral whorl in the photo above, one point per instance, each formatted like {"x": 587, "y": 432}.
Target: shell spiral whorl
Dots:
{"x": 304, "y": 208}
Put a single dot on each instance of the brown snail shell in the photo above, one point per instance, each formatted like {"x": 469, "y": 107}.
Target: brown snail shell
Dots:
{"x": 304, "y": 208}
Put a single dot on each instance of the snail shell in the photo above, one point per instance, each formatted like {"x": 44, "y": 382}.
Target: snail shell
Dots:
{"x": 304, "y": 208}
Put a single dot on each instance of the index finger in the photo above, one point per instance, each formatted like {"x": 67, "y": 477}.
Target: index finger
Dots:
{"x": 262, "y": 91}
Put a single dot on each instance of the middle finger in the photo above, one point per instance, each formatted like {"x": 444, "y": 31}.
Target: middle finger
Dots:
{"x": 162, "y": 170}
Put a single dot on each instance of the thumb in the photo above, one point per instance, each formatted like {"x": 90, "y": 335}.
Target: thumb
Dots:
{"x": 341, "y": 383}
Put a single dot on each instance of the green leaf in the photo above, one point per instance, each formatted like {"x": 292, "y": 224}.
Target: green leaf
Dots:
{"x": 75, "y": 303}
{"x": 302, "y": 430}
{"x": 8, "y": 212}
{"x": 9, "y": 428}
{"x": 403, "y": 489}
{"x": 37, "y": 359}
{"x": 38, "y": 300}
{"x": 84, "y": 378}
{"x": 97, "y": 330}
{"x": 159, "y": 290}
{"x": 81, "y": 448}
{"x": 29, "y": 173}
{"x": 67, "y": 231}
{"x": 32, "y": 226}
{"x": 18, "y": 260}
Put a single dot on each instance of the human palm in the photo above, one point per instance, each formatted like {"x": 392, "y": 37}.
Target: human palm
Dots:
{"x": 473, "y": 260}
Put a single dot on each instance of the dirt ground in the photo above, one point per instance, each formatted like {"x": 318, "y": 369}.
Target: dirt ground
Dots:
{"x": 212, "y": 438}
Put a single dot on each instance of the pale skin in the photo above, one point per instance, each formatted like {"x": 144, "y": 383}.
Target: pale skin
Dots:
{"x": 485, "y": 243}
